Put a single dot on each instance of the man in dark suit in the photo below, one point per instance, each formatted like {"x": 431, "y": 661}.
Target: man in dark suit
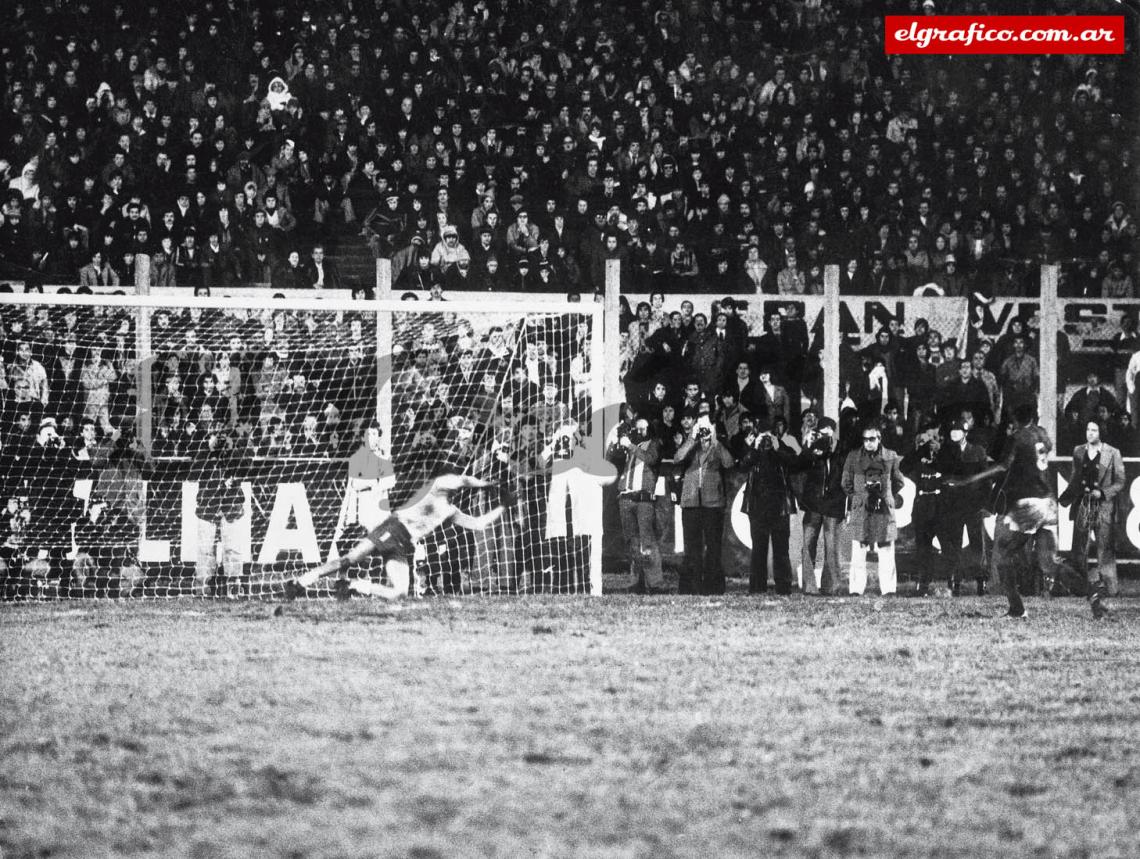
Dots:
{"x": 960, "y": 458}
{"x": 321, "y": 272}
{"x": 768, "y": 505}
{"x": 1097, "y": 477}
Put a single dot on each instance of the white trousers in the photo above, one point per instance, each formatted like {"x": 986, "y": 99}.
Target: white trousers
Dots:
{"x": 888, "y": 575}
{"x": 208, "y": 537}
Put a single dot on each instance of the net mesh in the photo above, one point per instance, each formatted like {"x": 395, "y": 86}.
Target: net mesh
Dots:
{"x": 172, "y": 450}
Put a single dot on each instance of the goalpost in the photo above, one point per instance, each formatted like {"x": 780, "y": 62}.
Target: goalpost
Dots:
{"x": 222, "y": 444}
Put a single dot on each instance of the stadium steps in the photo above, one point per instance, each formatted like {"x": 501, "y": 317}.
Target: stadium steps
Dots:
{"x": 356, "y": 261}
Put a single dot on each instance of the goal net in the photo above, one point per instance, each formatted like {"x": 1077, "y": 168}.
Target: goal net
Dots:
{"x": 169, "y": 445}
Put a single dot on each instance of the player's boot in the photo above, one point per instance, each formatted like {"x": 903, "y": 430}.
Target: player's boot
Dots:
{"x": 1017, "y": 610}
{"x": 342, "y": 590}
{"x": 293, "y": 590}
{"x": 1098, "y": 601}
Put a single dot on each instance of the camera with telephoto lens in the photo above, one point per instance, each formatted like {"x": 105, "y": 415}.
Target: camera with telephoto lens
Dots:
{"x": 876, "y": 499}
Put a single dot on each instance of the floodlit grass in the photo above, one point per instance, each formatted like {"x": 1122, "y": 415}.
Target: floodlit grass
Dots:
{"x": 615, "y": 727}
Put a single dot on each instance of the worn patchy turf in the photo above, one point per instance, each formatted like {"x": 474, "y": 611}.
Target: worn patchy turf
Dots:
{"x": 614, "y": 727}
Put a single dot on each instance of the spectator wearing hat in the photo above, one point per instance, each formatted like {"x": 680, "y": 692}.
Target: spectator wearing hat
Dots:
{"x": 524, "y": 278}
{"x": 1117, "y": 284}
{"x": 489, "y": 277}
{"x": 448, "y": 252}
{"x": 487, "y": 246}
{"x": 949, "y": 279}
{"x": 385, "y": 225}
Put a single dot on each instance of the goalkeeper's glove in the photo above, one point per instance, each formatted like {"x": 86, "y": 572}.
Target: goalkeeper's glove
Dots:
{"x": 507, "y": 498}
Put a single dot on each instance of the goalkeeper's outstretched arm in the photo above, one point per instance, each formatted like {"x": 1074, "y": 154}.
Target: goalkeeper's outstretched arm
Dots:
{"x": 478, "y": 523}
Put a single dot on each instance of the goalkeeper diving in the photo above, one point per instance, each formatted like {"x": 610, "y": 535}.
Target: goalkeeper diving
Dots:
{"x": 395, "y": 537}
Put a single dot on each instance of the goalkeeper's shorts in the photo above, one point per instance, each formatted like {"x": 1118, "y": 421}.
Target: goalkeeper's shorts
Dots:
{"x": 391, "y": 539}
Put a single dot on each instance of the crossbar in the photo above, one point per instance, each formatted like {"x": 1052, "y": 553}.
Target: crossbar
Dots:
{"x": 388, "y": 305}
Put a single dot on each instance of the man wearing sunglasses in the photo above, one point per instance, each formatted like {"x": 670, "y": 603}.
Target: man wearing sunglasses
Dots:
{"x": 872, "y": 481}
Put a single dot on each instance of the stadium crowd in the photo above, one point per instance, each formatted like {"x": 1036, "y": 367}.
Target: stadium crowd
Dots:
{"x": 735, "y": 147}
{"x": 912, "y": 389}
{"x": 730, "y": 149}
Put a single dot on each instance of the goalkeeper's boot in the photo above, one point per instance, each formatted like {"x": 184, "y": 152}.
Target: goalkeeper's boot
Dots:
{"x": 293, "y": 590}
{"x": 341, "y": 590}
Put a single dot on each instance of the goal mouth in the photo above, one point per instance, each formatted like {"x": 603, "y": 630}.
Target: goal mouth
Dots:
{"x": 166, "y": 445}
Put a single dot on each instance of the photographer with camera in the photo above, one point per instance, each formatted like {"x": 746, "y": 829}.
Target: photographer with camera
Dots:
{"x": 824, "y": 503}
{"x": 931, "y": 517}
{"x": 768, "y": 503}
{"x": 702, "y": 458}
{"x": 1096, "y": 479}
{"x": 872, "y": 481}
{"x": 637, "y": 456}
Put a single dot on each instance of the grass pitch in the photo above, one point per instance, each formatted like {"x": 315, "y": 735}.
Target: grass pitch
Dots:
{"x": 614, "y": 727}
